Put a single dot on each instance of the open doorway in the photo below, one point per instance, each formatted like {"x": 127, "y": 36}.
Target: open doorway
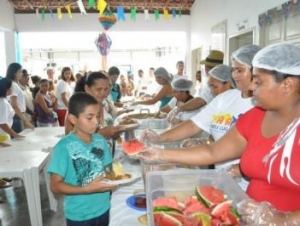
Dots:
{"x": 240, "y": 39}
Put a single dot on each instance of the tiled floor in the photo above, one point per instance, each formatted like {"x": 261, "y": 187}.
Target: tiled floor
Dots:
{"x": 14, "y": 210}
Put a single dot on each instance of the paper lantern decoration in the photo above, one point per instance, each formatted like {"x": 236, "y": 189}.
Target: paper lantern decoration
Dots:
{"x": 107, "y": 19}
{"x": 103, "y": 43}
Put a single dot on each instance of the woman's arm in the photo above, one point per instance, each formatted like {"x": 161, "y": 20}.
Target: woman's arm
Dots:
{"x": 15, "y": 106}
{"x": 10, "y": 131}
{"x": 164, "y": 91}
{"x": 182, "y": 131}
{"x": 40, "y": 100}
{"x": 64, "y": 99}
{"x": 230, "y": 146}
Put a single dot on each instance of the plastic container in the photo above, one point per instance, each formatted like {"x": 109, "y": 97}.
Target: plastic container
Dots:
{"x": 181, "y": 183}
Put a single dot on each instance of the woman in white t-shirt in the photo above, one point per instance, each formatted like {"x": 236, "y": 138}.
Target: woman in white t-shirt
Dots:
{"x": 63, "y": 92}
{"x": 17, "y": 98}
{"x": 223, "y": 111}
{"x": 7, "y": 112}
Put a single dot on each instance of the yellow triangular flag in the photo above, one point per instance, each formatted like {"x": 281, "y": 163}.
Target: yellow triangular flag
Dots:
{"x": 166, "y": 14}
{"x": 59, "y": 14}
{"x": 101, "y": 6}
{"x": 68, "y": 7}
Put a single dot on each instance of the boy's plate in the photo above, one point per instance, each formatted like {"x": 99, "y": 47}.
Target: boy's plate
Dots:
{"x": 134, "y": 176}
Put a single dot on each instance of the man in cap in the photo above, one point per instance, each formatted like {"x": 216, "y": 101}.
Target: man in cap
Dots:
{"x": 203, "y": 97}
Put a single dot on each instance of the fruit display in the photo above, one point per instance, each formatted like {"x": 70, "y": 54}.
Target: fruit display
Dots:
{"x": 208, "y": 207}
{"x": 132, "y": 147}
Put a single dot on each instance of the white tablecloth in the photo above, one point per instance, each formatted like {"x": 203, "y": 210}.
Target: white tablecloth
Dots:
{"x": 120, "y": 213}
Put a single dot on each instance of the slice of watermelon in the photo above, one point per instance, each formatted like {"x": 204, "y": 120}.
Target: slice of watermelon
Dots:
{"x": 164, "y": 219}
{"x": 201, "y": 218}
{"x": 132, "y": 147}
{"x": 221, "y": 210}
{"x": 170, "y": 202}
{"x": 209, "y": 195}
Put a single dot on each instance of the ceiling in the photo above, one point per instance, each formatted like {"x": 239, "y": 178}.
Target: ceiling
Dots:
{"x": 30, "y": 6}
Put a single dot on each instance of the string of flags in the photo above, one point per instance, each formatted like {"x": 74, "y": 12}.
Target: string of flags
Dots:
{"x": 283, "y": 11}
{"x": 101, "y": 6}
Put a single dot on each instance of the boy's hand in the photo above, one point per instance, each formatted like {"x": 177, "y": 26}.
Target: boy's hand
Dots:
{"x": 97, "y": 185}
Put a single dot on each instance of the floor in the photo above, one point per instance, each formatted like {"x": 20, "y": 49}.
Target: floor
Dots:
{"x": 14, "y": 210}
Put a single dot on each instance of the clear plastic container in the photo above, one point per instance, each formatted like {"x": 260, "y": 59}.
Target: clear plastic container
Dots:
{"x": 181, "y": 183}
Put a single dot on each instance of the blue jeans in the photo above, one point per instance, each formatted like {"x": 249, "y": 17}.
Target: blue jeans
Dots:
{"x": 102, "y": 220}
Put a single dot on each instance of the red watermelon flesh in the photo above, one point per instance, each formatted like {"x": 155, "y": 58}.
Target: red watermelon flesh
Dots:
{"x": 195, "y": 207}
{"x": 166, "y": 202}
{"x": 132, "y": 147}
{"x": 209, "y": 195}
{"x": 164, "y": 219}
{"x": 221, "y": 210}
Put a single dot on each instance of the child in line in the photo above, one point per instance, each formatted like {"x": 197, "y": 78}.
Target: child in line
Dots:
{"x": 78, "y": 165}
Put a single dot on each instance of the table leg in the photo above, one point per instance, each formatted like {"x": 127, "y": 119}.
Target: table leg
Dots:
{"x": 37, "y": 195}
{"x": 30, "y": 197}
{"x": 52, "y": 199}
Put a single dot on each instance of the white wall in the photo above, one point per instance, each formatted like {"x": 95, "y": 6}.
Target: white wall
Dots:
{"x": 6, "y": 16}
{"x": 207, "y": 13}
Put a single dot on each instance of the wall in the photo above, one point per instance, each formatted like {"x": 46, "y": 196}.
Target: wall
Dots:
{"x": 6, "y": 16}
{"x": 207, "y": 13}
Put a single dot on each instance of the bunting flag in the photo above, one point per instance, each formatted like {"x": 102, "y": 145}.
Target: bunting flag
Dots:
{"x": 101, "y": 6}
{"x": 81, "y": 7}
{"x": 59, "y": 14}
{"x": 146, "y": 12}
{"x": 156, "y": 14}
{"x": 91, "y": 4}
{"x": 166, "y": 14}
{"x": 107, "y": 19}
{"x": 120, "y": 13}
{"x": 68, "y": 7}
{"x": 133, "y": 13}
{"x": 43, "y": 14}
{"x": 51, "y": 14}
{"x": 173, "y": 13}
{"x": 37, "y": 13}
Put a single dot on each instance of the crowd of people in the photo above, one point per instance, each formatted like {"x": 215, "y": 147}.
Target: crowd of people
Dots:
{"x": 250, "y": 109}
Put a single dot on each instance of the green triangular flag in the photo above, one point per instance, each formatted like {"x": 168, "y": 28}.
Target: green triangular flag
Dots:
{"x": 43, "y": 15}
{"x": 156, "y": 14}
{"x": 91, "y": 4}
{"x": 133, "y": 13}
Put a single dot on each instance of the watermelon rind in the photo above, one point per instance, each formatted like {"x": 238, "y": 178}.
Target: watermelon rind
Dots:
{"x": 165, "y": 209}
{"x": 167, "y": 220}
{"x": 220, "y": 208}
{"x": 205, "y": 200}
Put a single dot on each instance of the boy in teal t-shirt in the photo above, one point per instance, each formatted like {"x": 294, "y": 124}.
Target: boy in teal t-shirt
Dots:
{"x": 78, "y": 165}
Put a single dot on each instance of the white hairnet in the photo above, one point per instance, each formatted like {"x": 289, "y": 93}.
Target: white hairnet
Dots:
{"x": 221, "y": 72}
{"x": 163, "y": 73}
{"x": 283, "y": 57}
{"x": 182, "y": 84}
{"x": 245, "y": 54}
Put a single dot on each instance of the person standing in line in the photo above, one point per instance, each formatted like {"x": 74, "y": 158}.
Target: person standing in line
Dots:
{"x": 79, "y": 163}
{"x": 113, "y": 74}
{"x": 17, "y": 98}
{"x": 63, "y": 93}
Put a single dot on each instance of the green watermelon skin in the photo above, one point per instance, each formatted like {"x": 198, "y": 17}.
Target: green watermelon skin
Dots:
{"x": 209, "y": 195}
{"x": 164, "y": 219}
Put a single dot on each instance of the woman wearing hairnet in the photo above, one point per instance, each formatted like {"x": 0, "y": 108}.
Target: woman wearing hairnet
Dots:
{"x": 219, "y": 82}
{"x": 222, "y": 112}
{"x": 266, "y": 138}
{"x": 165, "y": 94}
